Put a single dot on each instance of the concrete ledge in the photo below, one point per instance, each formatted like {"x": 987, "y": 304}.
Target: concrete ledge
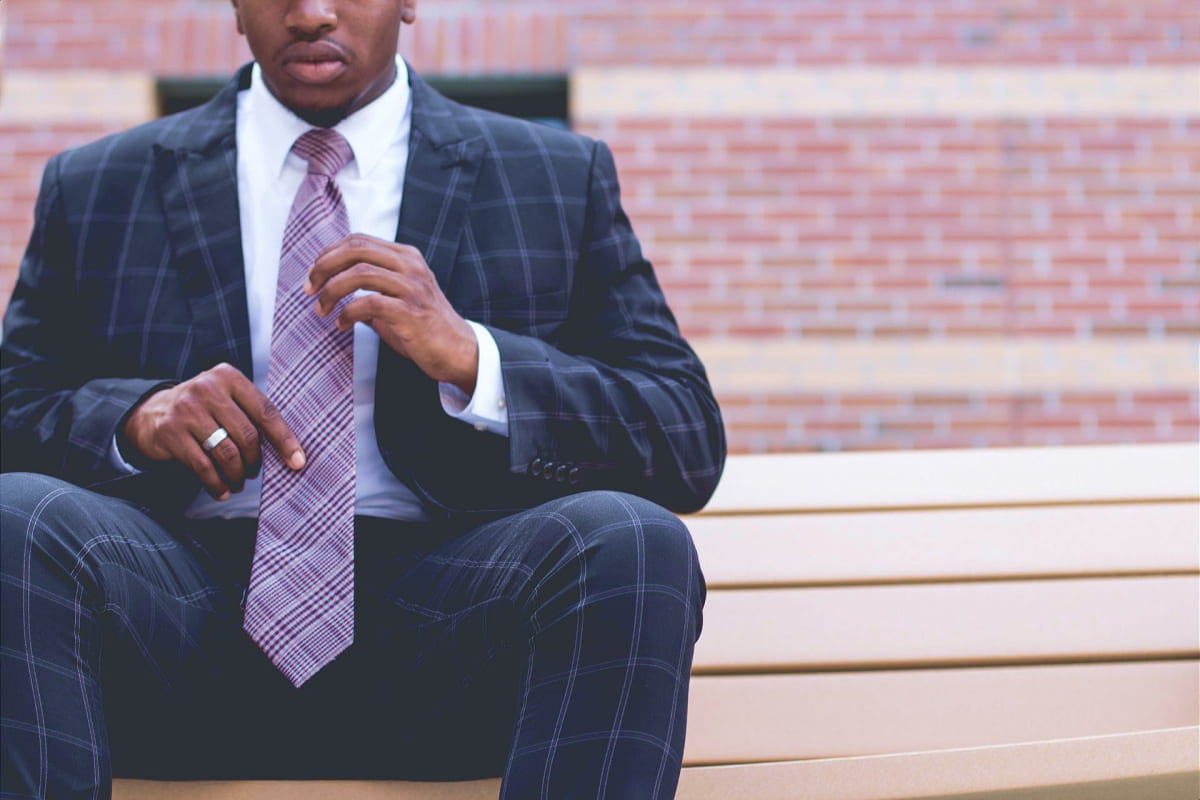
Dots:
{"x": 880, "y": 91}
{"x": 972, "y": 365}
{"x": 46, "y": 96}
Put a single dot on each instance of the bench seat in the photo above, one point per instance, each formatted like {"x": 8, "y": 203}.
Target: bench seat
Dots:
{"x": 998, "y": 623}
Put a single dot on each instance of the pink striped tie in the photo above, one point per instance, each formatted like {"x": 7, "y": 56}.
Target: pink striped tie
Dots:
{"x": 300, "y": 603}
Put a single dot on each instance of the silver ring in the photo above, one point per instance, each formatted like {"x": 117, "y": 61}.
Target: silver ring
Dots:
{"x": 218, "y": 436}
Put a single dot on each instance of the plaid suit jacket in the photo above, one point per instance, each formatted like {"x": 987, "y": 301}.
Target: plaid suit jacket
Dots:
{"x": 134, "y": 278}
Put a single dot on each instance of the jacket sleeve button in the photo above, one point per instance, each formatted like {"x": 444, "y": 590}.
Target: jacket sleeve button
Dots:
{"x": 548, "y": 470}
{"x": 573, "y": 476}
{"x": 535, "y": 468}
{"x": 561, "y": 473}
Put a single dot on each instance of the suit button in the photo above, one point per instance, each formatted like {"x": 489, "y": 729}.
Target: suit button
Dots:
{"x": 548, "y": 470}
{"x": 573, "y": 476}
{"x": 535, "y": 467}
{"x": 561, "y": 473}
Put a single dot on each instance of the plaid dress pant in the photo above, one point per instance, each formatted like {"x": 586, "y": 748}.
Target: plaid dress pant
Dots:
{"x": 552, "y": 647}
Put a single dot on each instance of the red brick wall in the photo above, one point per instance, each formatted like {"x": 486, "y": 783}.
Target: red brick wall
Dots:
{"x": 824, "y": 229}
{"x": 925, "y": 227}
{"x": 190, "y": 37}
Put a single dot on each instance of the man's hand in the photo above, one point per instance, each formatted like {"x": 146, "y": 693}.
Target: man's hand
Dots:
{"x": 410, "y": 313}
{"x": 171, "y": 424}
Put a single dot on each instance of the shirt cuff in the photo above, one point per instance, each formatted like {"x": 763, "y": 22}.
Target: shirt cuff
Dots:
{"x": 486, "y": 408}
{"x": 118, "y": 461}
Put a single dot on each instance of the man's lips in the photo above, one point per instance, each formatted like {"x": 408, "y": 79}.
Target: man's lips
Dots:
{"x": 314, "y": 62}
{"x": 314, "y": 71}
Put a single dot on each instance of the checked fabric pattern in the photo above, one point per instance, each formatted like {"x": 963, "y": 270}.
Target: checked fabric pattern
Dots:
{"x": 300, "y": 602}
{"x": 523, "y": 227}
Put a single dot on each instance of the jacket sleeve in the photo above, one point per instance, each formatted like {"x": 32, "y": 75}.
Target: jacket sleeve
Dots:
{"x": 622, "y": 400}
{"x": 58, "y": 415}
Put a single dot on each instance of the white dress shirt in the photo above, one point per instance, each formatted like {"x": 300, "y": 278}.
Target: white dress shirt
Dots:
{"x": 372, "y": 186}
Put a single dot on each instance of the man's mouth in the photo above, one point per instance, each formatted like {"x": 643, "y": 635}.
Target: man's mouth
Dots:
{"x": 314, "y": 71}
{"x": 314, "y": 62}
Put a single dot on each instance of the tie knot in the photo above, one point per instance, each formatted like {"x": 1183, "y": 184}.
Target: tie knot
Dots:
{"x": 325, "y": 150}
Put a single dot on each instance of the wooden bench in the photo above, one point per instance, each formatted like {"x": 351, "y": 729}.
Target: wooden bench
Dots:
{"x": 1023, "y": 622}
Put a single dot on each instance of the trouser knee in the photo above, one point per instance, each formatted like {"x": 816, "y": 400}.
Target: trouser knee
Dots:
{"x": 37, "y": 512}
{"x": 627, "y": 541}
{"x": 55, "y": 532}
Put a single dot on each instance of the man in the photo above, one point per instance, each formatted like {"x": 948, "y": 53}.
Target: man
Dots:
{"x": 432, "y": 394}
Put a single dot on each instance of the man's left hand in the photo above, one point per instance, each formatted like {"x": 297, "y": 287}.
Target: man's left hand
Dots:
{"x": 409, "y": 312}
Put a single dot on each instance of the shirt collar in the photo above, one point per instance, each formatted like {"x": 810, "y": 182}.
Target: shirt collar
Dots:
{"x": 370, "y": 131}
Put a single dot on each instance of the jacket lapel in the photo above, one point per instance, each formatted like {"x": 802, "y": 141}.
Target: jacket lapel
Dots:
{"x": 196, "y": 167}
{"x": 442, "y": 168}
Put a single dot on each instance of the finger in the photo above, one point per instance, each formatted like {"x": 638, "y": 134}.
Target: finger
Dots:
{"x": 240, "y": 459}
{"x": 368, "y": 309}
{"x": 188, "y": 451}
{"x": 228, "y": 461}
{"x": 225, "y": 382}
{"x": 356, "y": 248}
{"x": 270, "y": 422}
{"x": 360, "y": 276}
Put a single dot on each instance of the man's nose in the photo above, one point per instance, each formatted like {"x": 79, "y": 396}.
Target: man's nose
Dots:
{"x": 311, "y": 17}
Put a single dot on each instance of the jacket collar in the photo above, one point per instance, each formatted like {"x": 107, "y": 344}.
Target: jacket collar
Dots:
{"x": 213, "y": 127}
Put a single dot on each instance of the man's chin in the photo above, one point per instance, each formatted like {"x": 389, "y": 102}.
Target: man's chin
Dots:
{"x": 323, "y": 109}
{"x": 321, "y": 117}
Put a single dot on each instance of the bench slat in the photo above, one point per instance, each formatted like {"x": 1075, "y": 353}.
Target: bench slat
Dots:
{"x": 781, "y": 717}
{"x": 793, "y": 549}
{"x": 956, "y": 478}
{"x": 1130, "y": 766}
{"x": 951, "y": 623}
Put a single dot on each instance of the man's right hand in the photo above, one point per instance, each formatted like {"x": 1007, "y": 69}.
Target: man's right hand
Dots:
{"x": 172, "y": 423}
